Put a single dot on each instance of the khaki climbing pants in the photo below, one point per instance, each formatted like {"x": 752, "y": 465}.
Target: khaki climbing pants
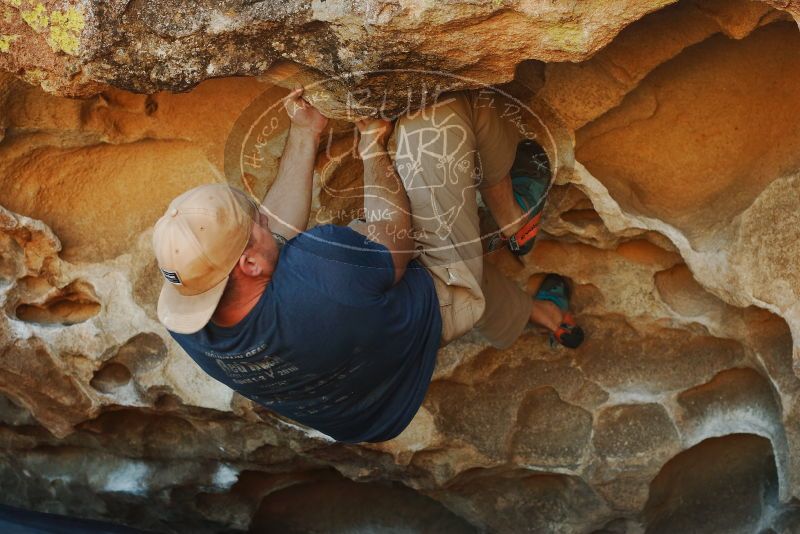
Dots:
{"x": 445, "y": 154}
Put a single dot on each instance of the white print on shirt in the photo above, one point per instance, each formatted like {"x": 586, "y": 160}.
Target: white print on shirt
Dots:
{"x": 271, "y": 374}
{"x": 244, "y": 372}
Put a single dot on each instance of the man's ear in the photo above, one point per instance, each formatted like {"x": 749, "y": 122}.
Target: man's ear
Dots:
{"x": 249, "y": 266}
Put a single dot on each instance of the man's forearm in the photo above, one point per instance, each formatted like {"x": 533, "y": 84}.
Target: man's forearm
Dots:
{"x": 386, "y": 201}
{"x": 288, "y": 201}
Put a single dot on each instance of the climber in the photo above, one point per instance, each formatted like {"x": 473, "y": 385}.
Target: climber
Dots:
{"x": 338, "y": 327}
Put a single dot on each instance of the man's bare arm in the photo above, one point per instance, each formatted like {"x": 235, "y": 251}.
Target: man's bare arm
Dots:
{"x": 288, "y": 202}
{"x": 386, "y": 206}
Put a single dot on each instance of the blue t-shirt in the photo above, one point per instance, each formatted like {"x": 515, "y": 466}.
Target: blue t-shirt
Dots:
{"x": 332, "y": 343}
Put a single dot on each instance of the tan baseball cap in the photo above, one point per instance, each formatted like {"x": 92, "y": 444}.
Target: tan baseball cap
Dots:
{"x": 197, "y": 243}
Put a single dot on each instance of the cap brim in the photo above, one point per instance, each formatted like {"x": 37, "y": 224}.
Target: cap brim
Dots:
{"x": 187, "y": 315}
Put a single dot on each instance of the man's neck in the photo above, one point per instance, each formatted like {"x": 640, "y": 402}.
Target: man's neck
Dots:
{"x": 235, "y": 305}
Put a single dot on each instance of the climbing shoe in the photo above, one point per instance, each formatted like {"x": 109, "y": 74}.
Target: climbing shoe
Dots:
{"x": 530, "y": 181}
{"x": 555, "y": 289}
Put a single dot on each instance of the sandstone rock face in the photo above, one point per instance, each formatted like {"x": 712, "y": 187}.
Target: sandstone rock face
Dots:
{"x": 675, "y": 214}
{"x": 75, "y": 47}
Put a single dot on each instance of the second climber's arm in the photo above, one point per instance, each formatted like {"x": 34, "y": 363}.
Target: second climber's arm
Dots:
{"x": 386, "y": 205}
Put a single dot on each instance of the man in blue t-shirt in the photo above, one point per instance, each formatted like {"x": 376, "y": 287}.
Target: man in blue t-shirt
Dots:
{"x": 336, "y": 327}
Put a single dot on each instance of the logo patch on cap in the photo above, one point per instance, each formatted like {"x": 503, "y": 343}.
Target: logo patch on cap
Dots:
{"x": 171, "y": 276}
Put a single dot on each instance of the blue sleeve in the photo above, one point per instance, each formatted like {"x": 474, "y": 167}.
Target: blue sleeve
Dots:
{"x": 349, "y": 259}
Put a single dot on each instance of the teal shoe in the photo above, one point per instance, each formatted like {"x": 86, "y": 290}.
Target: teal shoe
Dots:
{"x": 555, "y": 289}
{"x": 530, "y": 181}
